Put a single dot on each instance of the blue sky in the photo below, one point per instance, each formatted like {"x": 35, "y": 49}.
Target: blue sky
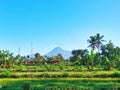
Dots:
{"x": 56, "y": 23}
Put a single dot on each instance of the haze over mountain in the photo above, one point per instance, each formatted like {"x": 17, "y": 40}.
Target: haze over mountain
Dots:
{"x": 65, "y": 53}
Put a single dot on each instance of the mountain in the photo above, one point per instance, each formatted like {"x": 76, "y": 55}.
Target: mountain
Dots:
{"x": 66, "y": 54}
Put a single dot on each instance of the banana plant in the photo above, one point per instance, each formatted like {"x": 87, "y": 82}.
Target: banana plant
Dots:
{"x": 90, "y": 60}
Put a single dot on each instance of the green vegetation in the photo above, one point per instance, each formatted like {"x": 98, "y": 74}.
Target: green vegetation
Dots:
{"x": 97, "y": 69}
{"x": 71, "y": 83}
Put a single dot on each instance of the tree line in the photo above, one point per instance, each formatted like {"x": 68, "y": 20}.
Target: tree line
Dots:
{"x": 105, "y": 56}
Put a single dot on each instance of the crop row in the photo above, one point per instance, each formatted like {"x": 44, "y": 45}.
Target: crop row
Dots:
{"x": 8, "y": 74}
{"x": 78, "y": 83}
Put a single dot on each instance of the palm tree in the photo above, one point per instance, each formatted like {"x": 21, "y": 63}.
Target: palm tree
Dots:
{"x": 39, "y": 58}
{"x": 92, "y": 42}
{"x": 5, "y": 57}
{"x": 99, "y": 40}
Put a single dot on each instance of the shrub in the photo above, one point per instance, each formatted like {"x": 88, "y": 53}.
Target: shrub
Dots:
{"x": 21, "y": 68}
{"x": 66, "y": 74}
{"x": 6, "y": 74}
{"x": 0, "y": 86}
{"x": 116, "y": 74}
{"x": 26, "y": 86}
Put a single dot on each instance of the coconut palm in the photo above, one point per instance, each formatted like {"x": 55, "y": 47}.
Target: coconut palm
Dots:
{"x": 92, "y": 42}
{"x": 99, "y": 40}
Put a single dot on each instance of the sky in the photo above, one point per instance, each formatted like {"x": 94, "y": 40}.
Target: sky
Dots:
{"x": 56, "y": 23}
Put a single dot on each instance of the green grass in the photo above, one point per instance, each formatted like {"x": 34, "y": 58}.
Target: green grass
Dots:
{"x": 41, "y": 83}
{"x": 62, "y": 74}
{"x": 56, "y": 77}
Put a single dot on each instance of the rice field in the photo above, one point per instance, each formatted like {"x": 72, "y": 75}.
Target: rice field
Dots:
{"x": 58, "y": 84}
{"x": 36, "y": 78}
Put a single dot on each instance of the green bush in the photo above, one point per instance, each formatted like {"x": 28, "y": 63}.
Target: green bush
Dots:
{"x": 26, "y": 86}
{"x": 116, "y": 74}
{"x": 0, "y": 86}
{"x": 21, "y": 68}
{"x": 66, "y": 74}
{"x": 6, "y": 74}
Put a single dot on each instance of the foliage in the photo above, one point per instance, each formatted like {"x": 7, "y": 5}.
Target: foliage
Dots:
{"x": 107, "y": 58}
{"x": 64, "y": 83}
{"x": 83, "y": 70}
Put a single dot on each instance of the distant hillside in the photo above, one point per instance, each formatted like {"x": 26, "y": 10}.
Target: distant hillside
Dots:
{"x": 66, "y": 54}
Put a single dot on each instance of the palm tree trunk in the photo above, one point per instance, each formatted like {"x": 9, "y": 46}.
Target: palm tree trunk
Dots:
{"x": 98, "y": 48}
{"x": 4, "y": 65}
{"x": 92, "y": 65}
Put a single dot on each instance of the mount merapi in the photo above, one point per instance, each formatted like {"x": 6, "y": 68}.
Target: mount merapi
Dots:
{"x": 65, "y": 53}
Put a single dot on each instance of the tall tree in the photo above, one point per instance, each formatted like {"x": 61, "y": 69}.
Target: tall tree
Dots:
{"x": 79, "y": 56}
{"x": 99, "y": 41}
{"x": 92, "y": 41}
{"x": 96, "y": 41}
{"x": 5, "y": 56}
{"x": 39, "y": 58}
{"x": 109, "y": 56}
{"x": 60, "y": 58}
